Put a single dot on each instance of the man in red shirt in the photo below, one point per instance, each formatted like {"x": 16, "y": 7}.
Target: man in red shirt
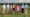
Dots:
{"x": 15, "y": 8}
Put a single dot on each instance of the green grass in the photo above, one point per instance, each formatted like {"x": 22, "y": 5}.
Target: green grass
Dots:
{"x": 11, "y": 15}
{"x": 28, "y": 12}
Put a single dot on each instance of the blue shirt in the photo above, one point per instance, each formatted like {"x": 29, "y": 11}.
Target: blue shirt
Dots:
{"x": 24, "y": 6}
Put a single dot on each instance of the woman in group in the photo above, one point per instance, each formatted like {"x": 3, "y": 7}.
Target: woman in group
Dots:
{"x": 20, "y": 8}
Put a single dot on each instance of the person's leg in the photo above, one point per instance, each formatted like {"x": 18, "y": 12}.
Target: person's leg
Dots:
{"x": 8, "y": 10}
{"x": 3, "y": 11}
{"x": 25, "y": 11}
{"x": 14, "y": 11}
{"x": 22, "y": 12}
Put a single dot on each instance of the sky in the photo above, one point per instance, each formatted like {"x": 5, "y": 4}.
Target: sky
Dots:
{"x": 1, "y": 1}
{"x": 14, "y": 1}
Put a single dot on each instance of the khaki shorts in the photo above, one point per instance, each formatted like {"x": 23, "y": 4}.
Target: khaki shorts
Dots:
{"x": 25, "y": 11}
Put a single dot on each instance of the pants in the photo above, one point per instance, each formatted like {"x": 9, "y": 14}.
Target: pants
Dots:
{"x": 3, "y": 10}
{"x": 14, "y": 10}
{"x": 25, "y": 11}
{"x": 8, "y": 10}
{"x": 22, "y": 10}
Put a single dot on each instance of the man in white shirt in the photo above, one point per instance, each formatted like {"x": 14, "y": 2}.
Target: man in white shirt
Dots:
{"x": 3, "y": 6}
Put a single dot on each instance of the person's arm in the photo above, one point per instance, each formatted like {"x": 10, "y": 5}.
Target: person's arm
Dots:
{"x": 26, "y": 6}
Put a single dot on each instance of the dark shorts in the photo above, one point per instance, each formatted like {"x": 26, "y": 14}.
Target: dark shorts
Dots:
{"x": 13, "y": 8}
{"x": 22, "y": 10}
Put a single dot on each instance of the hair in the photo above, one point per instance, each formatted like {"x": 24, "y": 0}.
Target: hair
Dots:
{"x": 6, "y": 3}
{"x": 24, "y": 3}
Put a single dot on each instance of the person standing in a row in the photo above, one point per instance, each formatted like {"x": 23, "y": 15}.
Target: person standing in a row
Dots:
{"x": 3, "y": 6}
{"x": 15, "y": 8}
{"x": 7, "y": 8}
{"x": 24, "y": 8}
